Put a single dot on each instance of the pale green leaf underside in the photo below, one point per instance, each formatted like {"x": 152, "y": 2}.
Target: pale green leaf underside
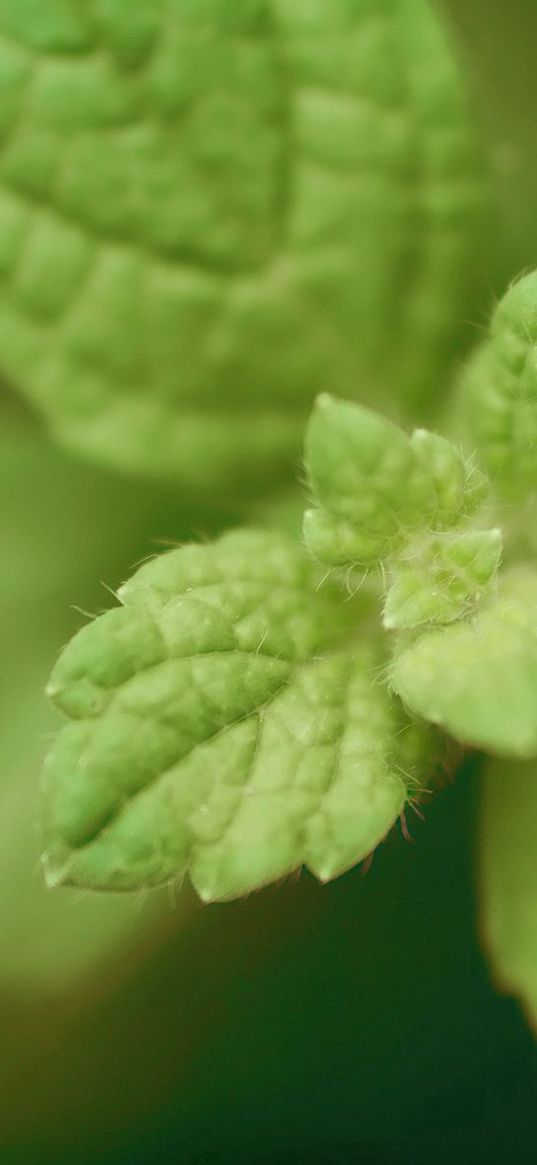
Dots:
{"x": 225, "y": 724}
{"x": 478, "y": 679}
{"x": 509, "y": 877}
{"x": 208, "y": 211}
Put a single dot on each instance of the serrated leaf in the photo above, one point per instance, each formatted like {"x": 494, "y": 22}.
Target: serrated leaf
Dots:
{"x": 478, "y": 679}
{"x": 225, "y": 723}
{"x": 508, "y": 878}
{"x": 439, "y": 576}
{"x": 500, "y": 392}
{"x": 54, "y": 548}
{"x": 207, "y": 211}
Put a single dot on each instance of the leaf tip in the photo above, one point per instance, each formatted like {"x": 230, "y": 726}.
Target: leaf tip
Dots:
{"x": 324, "y": 401}
{"x": 53, "y": 689}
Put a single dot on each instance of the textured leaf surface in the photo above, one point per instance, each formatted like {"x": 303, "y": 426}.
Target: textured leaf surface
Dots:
{"x": 338, "y": 541}
{"x": 374, "y": 485}
{"x": 509, "y": 877}
{"x": 478, "y": 679}
{"x": 222, "y": 724}
{"x": 500, "y": 391}
{"x": 440, "y": 576}
{"x": 209, "y": 211}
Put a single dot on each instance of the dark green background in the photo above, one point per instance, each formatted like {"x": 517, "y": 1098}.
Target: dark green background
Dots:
{"x": 351, "y": 1023}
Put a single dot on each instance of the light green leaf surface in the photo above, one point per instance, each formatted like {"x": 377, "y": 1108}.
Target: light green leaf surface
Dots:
{"x": 211, "y": 211}
{"x": 458, "y": 484}
{"x": 440, "y": 576}
{"x": 500, "y": 392}
{"x": 228, "y": 721}
{"x": 478, "y": 679}
{"x": 508, "y": 877}
{"x": 374, "y": 485}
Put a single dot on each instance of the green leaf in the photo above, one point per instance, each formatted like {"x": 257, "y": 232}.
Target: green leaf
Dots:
{"x": 363, "y": 469}
{"x": 458, "y": 485}
{"x": 375, "y": 485}
{"x": 55, "y": 547}
{"x": 478, "y": 679}
{"x": 226, "y": 722}
{"x": 439, "y": 576}
{"x": 445, "y": 466}
{"x": 508, "y": 879}
{"x": 208, "y": 212}
{"x": 500, "y": 392}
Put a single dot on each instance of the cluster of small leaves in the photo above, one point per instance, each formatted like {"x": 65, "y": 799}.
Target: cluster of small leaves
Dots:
{"x": 239, "y": 715}
{"x": 464, "y": 653}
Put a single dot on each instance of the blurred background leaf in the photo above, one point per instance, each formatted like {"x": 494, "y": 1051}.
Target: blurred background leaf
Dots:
{"x": 210, "y": 212}
{"x": 496, "y": 45}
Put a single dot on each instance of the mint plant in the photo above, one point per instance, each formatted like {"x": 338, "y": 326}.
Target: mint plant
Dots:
{"x": 255, "y": 705}
{"x": 216, "y": 218}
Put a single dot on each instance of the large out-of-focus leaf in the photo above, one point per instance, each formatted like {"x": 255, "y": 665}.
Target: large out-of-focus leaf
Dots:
{"x": 209, "y": 212}
{"x": 509, "y": 877}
